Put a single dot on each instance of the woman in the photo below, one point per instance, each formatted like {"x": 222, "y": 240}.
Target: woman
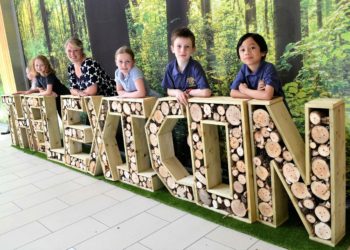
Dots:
{"x": 86, "y": 76}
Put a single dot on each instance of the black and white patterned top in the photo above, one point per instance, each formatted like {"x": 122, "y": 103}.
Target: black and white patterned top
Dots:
{"x": 92, "y": 73}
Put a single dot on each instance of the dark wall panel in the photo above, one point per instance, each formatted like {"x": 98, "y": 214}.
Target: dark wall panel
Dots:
{"x": 108, "y": 30}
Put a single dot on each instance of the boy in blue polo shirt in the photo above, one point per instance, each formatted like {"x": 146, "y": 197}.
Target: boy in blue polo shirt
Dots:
{"x": 257, "y": 78}
{"x": 184, "y": 77}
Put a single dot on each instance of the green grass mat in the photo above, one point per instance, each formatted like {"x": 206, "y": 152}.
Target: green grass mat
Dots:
{"x": 290, "y": 235}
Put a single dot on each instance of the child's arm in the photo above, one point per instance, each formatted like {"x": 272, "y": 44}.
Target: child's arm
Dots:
{"x": 235, "y": 93}
{"x": 180, "y": 95}
{"x": 261, "y": 94}
{"x": 48, "y": 91}
{"x": 139, "y": 93}
{"x": 199, "y": 92}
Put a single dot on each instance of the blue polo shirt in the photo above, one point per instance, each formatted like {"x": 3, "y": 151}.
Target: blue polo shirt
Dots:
{"x": 193, "y": 76}
{"x": 266, "y": 72}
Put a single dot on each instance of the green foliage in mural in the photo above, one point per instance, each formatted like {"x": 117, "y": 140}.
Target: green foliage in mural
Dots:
{"x": 148, "y": 38}
{"x": 325, "y": 73}
{"x": 39, "y": 35}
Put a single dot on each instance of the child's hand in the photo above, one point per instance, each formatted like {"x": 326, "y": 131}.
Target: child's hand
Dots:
{"x": 181, "y": 97}
{"x": 261, "y": 85}
{"x": 242, "y": 87}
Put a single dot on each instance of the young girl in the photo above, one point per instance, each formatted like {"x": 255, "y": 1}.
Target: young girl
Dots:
{"x": 130, "y": 80}
{"x": 30, "y": 73}
{"x": 257, "y": 78}
{"x": 47, "y": 82}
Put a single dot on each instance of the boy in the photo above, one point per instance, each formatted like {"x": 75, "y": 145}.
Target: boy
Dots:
{"x": 184, "y": 77}
{"x": 257, "y": 78}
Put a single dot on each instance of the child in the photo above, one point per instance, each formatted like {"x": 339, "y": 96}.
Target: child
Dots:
{"x": 257, "y": 78}
{"x": 184, "y": 77}
{"x": 130, "y": 80}
{"x": 30, "y": 73}
{"x": 47, "y": 82}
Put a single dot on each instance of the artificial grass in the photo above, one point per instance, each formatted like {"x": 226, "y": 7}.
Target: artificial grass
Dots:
{"x": 290, "y": 235}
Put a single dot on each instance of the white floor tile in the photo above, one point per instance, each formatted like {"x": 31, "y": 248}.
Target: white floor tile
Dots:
{"x": 68, "y": 236}
{"x": 179, "y": 234}
{"x": 207, "y": 244}
{"x": 262, "y": 245}
{"x": 47, "y": 194}
{"x": 77, "y": 212}
{"x": 166, "y": 213}
{"x": 17, "y": 193}
{"x": 7, "y": 209}
{"x": 23, "y": 235}
{"x": 124, "y": 234}
{"x": 29, "y": 215}
{"x": 31, "y": 170}
{"x": 86, "y": 192}
{"x": 25, "y": 181}
{"x": 7, "y": 178}
{"x": 232, "y": 238}
{"x": 57, "y": 179}
{"x": 120, "y": 194}
{"x": 136, "y": 246}
{"x": 85, "y": 180}
{"x": 124, "y": 210}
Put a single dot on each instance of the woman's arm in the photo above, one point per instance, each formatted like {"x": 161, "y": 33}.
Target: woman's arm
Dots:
{"x": 89, "y": 91}
{"x": 139, "y": 93}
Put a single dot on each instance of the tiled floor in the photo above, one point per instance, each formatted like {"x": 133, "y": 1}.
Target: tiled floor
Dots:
{"x": 46, "y": 206}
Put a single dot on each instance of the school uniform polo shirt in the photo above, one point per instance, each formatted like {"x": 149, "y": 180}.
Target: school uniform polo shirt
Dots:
{"x": 266, "y": 72}
{"x": 193, "y": 76}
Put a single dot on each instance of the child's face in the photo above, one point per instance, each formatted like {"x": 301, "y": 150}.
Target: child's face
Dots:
{"x": 183, "y": 49}
{"x": 124, "y": 63}
{"x": 40, "y": 67}
{"x": 30, "y": 75}
{"x": 250, "y": 54}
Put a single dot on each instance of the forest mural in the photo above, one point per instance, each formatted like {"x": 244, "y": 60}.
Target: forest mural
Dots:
{"x": 308, "y": 40}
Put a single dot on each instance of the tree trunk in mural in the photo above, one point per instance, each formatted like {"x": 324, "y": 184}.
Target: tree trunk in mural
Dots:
{"x": 319, "y": 13}
{"x": 209, "y": 36}
{"x": 45, "y": 17}
{"x": 266, "y": 17}
{"x": 31, "y": 19}
{"x": 287, "y": 17}
{"x": 108, "y": 30}
{"x": 305, "y": 19}
{"x": 176, "y": 17}
{"x": 250, "y": 15}
{"x": 72, "y": 20}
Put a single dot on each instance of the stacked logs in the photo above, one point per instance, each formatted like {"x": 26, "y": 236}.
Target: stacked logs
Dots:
{"x": 127, "y": 109}
{"x": 135, "y": 179}
{"x": 33, "y": 127}
{"x": 10, "y": 101}
{"x": 55, "y": 155}
{"x": 320, "y": 206}
{"x": 74, "y": 133}
{"x": 223, "y": 113}
{"x": 165, "y": 108}
{"x": 75, "y": 162}
{"x": 72, "y": 103}
{"x": 97, "y": 145}
{"x": 91, "y": 112}
{"x": 313, "y": 200}
{"x": 270, "y": 146}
